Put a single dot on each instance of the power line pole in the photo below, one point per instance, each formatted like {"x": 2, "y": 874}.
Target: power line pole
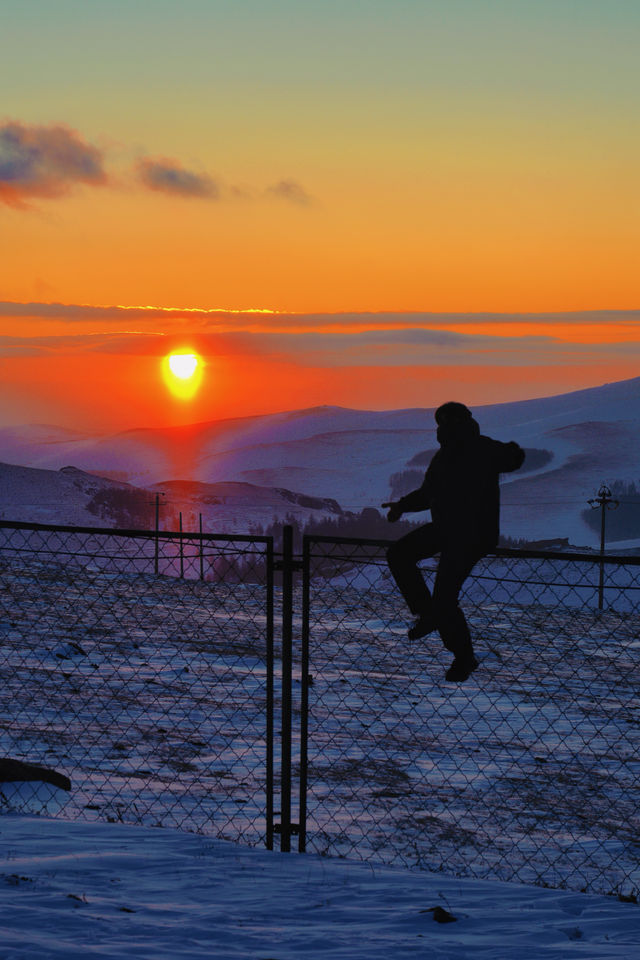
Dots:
{"x": 605, "y": 501}
{"x": 156, "y": 558}
{"x": 201, "y": 547}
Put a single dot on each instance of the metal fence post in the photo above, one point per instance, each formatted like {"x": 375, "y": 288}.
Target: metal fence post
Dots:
{"x": 304, "y": 697}
{"x": 270, "y": 697}
{"x": 287, "y": 640}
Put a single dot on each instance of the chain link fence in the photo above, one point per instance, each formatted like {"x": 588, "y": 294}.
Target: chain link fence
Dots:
{"x": 141, "y": 667}
{"x": 529, "y": 771}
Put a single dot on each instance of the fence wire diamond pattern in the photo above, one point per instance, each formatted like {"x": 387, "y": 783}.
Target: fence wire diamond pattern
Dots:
{"x": 143, "y": 668}
{"x": 149, "y": 690}
{"x": 530, "y": 770}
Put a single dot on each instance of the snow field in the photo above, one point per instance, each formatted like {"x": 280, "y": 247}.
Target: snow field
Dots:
{"x": 78, "y": 890}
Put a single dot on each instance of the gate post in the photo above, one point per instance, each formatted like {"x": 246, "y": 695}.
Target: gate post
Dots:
{"x": 287, "y": 567}
{"x": 270, "y": 695}
{"x": 304, "y": 696}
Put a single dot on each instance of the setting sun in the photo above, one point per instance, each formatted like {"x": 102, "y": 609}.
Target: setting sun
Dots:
{"x": 183, "y": 365}
{"x": 182, "y": 373}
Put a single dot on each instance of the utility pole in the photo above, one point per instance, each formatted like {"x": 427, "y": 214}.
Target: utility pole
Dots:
{"x": 201, "y": 547}
{"x": 156, "y": 558}
{"x": 605, "y": 502}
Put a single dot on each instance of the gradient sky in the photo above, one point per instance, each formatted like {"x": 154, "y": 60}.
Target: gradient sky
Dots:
{"x": 424, "y": 198}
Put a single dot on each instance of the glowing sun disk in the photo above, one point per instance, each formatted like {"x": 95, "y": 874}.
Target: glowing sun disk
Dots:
{"x": 183, "y": 374}
{"x": 183, "y": 365}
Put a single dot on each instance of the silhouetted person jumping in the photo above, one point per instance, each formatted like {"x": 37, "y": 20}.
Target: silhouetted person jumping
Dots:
{"x": 461, "y": 490}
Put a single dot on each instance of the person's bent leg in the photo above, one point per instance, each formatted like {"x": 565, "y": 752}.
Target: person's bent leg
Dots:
{"x": 403, "y": 557}
{"x": 455, "y": 566}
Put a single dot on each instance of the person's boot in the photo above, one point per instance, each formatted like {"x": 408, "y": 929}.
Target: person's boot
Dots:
{"x": 423, "y": 625}
{"x": 461, "y": 668}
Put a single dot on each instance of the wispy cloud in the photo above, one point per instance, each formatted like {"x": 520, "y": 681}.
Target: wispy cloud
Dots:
{"x": 291, "y": 192}
{"x": 49, "y": 161}
{"x": 39, "y": 161}
{"x": 169, "y": 176}
{"x": 81, "y": 313}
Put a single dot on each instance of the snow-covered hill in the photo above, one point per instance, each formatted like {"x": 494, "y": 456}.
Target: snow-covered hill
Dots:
{"x": 51, "y": 496}
{"x": 350, "y": 455}
{"x": 72, "y": 496}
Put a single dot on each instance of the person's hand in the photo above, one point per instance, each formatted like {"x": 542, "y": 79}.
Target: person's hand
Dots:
{"x": 395, "y": 511}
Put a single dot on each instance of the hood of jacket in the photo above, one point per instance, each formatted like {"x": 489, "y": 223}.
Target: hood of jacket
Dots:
{"x": 457, "y": 434}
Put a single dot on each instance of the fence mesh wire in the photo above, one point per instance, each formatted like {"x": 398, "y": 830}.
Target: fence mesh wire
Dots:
{"x": 139, "y": 667}
{"x": 142, "y": 668}
{"x": 530, "y": 770}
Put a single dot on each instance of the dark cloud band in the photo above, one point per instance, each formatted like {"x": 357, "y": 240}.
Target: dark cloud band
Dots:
{"x": 249, "y": 318}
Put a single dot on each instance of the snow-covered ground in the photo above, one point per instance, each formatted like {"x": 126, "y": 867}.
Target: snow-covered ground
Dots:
{"x": 78, "y": 890}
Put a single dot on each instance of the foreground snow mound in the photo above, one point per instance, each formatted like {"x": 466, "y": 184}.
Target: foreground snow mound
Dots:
{"x": 133, "y": 891}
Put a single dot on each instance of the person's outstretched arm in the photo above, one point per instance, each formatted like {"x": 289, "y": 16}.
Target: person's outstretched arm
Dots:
{"x": 419, "y": 499}
{"x": 509, "y": 456}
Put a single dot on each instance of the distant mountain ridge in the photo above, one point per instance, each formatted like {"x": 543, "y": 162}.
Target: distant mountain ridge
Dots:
{"x": 348, "y": 456}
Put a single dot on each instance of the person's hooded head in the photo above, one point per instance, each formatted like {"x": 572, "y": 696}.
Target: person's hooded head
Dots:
{"x": 455, "y": 424}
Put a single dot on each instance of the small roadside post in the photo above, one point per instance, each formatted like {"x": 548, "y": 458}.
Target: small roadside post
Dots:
{"x": 605, "y": 502}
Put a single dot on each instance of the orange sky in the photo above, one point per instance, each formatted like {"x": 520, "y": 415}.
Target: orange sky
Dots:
{"x": 453, "y": 168}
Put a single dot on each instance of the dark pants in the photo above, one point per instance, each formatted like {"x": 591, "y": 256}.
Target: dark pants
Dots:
{"x": 457, "y": 559}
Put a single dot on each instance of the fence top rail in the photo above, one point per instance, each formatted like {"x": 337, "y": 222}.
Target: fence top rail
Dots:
{"x": 516, "y": 553}
{"x": 594, "y": 557}
{"x": 134, "y": 534}
{"x": 308, "y": 541}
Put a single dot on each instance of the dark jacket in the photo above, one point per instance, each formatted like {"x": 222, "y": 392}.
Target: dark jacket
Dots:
{"x": 461, "y": 485}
